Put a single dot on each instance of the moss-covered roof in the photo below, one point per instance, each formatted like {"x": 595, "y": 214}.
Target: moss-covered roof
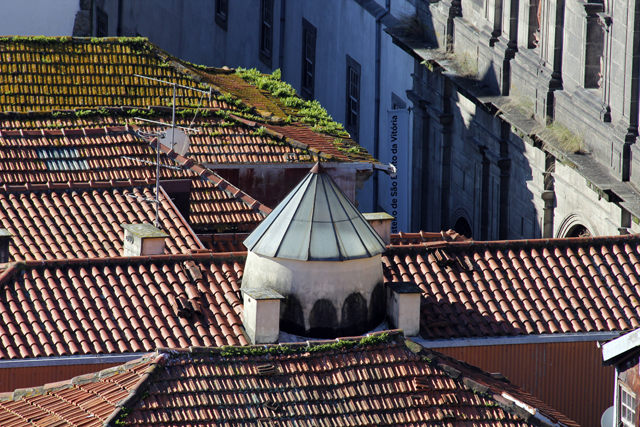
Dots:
{"x": 46, "y": 81}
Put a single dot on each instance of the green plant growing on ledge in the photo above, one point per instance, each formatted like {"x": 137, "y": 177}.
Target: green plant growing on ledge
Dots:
{"x": 561, "y": 137}
{"x": 311, "y": 112}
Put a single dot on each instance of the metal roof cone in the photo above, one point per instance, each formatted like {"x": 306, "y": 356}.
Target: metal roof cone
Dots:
{"x": 315, "y": 222}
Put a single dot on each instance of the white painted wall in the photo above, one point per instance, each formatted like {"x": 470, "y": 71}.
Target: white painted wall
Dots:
{"x": 37, "y": 17}
{"x": 310, "y": 281}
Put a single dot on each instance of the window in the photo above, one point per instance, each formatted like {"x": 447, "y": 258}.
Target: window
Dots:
{"x": 222, "y": 9}
{"x": 266, "y": 31}
{"x": 535, "y": 12}
{"x": 102, "y": 23}
{"x": 309, "y": 33}
{"x": 594, "y": 47}
{"x": 397, "y": 103}
{"x": 352, "y": 109}
{"x": 627, "y": 409}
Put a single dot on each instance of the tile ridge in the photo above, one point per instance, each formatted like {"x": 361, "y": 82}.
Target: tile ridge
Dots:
{"x": 523, "y": 243}
{"x": 70, "y": 383}
{"x": 139, "y": 389}
{"x": 64, "y": 262}
{"x": 498, "y": 389}
{"x": 216, "y": 179}
{"x": 77, "y": 184}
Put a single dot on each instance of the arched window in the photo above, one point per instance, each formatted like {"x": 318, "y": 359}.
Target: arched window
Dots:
{"x": 463, "y": 228}
{"x": 578, "y": 230}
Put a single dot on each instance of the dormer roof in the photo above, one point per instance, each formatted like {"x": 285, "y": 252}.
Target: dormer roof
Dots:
{"x": 316, "y": 222}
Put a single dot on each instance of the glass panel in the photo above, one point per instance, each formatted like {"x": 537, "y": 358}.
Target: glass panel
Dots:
{"x": 323, "y": 243}
{"x": 286, "y": 209}
{"x": 322, "y": 213}
{"x": 349, "y": 241}
{"x": 299, "y": 225}
{"x": 337, "y": 205}
{"x": 295, "y": 244}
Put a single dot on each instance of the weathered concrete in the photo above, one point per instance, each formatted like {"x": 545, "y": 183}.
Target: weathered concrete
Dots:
{"x": 143, "y": 239}
{"x": 322, "y": 299}
{"x": 261, "y": 315}
{"x": 403, "y": 307}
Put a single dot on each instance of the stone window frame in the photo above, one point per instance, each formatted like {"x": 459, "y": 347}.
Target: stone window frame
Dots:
{"x": 222, "y": 13}
{"x": 352, "y": 105}
{"x": 593, "y": 74}
{"x": 266, "y": 31}
{"x": 534, "y": 27}
{"x": 309, "y": 38}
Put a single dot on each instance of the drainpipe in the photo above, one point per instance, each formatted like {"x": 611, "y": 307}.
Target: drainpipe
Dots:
{"x": 119, "y": 28}
{"x": 376, "y": 128}
{"x": 281, "y": 53}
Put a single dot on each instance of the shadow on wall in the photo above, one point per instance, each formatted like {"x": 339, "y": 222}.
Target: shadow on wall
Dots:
{"x": 490, "y": 176}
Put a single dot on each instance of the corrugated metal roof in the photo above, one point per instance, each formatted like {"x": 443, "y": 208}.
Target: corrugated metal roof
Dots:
{"x": 316, "y": 222}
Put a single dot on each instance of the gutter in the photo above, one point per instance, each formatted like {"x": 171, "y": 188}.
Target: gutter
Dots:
{"x": 528, "y": 339}
{"x": 283, "y": 4}
{"x": 89, "y": 359}
{"x": 376, "y": 124}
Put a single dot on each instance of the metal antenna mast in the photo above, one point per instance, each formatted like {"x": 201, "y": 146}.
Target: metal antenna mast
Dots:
{"x": 148, "y": 136}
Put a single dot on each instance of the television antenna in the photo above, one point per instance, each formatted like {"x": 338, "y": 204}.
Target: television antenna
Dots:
{"x": 175, "y": 137}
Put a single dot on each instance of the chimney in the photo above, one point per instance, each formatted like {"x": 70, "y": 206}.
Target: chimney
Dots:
{"x": 403, "y": 307}
{"x": 5, "y": 241}
{"x": 381, "y": 222}
{"x": 262, "y": 315}
{"x": 143, "y": 239}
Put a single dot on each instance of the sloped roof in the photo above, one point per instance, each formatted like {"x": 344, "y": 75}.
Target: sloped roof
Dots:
{"x": 315, "y": 222}
{"x": 51, "y": 78}
{"x": 378, "y": 380}
{"x": 119, "y": 305}
{"x": 527, "y": 287}
{"x": 86, "y": 154}
{"x": 82, "y": 220}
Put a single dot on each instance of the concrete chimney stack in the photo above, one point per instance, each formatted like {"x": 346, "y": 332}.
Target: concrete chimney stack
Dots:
{"x": 262, "y": 315}
{"x": 381, "y": 222}
{"x": 403, "y": 307}
{"x": 143, "y": 239}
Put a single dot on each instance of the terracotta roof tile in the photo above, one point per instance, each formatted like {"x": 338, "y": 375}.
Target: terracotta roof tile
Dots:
{"x": 65, "y": 76}
{"x": 379, "y": 380}
{"x": 84, "y": 221}
{"x": 521, "y": 287}
{"x": 117, "y": 305}
{"x": 51, "y": 163}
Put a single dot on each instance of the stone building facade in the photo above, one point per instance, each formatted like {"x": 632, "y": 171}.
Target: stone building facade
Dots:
{"x": 526, "y": 116}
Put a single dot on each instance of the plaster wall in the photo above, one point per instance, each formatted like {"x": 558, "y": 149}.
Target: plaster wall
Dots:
{"x": 261, "y": 320}
{"x": 38, "y": 17}
{"x": 321, "y": 298}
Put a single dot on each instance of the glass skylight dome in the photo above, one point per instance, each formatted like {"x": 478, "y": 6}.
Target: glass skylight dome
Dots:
{"x": 315, "y": 222}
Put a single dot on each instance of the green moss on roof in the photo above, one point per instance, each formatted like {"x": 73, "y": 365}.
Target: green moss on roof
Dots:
{"x": 309, "y": 112}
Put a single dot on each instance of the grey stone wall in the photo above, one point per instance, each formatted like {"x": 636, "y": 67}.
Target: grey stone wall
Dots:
{"x": 528, "y": 123}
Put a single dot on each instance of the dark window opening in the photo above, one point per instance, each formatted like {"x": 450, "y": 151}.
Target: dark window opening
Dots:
{"x": 578, "y": 230}
{"x": 222, "y": 10}
{"x": 266, "y": 31}
{"x": 309, "y": 34}
{"x": 535, "y": 12}
{"x": 352, "y": 117}
{"x": 463, "y": 228}
{"x": 594, "y": 49}
{"x": 102, "y": 23}
{"x": 397, "y": 103}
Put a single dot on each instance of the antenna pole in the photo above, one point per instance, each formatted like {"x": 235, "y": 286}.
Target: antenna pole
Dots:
{"x": 173, "y": 117}
{"x": 157, "y": 181}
